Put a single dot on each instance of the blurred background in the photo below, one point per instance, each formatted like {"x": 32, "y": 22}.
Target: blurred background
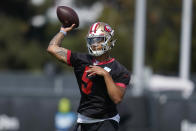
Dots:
{"x": 38, "y": 93}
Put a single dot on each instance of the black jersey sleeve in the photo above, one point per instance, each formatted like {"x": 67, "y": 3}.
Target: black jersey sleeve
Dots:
{"x": 78, "y": 59}
{"x": 121, "y": 75}
{"x": 122, "y": 79}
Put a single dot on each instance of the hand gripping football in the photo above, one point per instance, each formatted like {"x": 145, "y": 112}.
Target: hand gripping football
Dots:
{"x": 67, "y": 16}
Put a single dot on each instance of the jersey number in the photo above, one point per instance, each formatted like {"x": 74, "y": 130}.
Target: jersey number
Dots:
{"x": 86, "y": 82}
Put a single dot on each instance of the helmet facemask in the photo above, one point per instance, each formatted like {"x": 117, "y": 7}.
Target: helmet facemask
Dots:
{"x": 99, "y": 37}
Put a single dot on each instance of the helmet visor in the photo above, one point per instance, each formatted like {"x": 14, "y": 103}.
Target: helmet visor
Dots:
{"x": 94, "y": 40}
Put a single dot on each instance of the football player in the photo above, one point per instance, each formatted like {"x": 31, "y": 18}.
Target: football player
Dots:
{"x": 102, "y": 80}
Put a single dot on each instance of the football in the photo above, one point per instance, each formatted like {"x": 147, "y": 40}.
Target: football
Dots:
{"x": 67, "y": 16}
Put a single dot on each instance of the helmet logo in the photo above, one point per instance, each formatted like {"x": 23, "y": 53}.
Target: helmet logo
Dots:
{"x": 107, "y": 28}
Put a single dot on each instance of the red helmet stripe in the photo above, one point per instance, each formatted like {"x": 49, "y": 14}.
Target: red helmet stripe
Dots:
{"x": 91, "y": 28}
{"x": 96, "y": 27}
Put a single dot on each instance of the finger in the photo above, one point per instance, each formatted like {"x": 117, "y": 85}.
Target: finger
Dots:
{"x": 72, "y": 26}
{"x": 91, "y": 66}
{"x": 91, "y": 74}
{"x": 89, "y": 70}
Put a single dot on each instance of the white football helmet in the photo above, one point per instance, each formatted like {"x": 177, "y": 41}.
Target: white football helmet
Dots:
{"x": 100, "y": 33}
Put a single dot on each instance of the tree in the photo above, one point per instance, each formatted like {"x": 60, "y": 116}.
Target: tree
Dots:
{"x": 23, "y": 45}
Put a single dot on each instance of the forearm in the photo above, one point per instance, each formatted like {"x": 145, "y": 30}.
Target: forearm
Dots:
{"x": 57, "y": 40}
{"x": 116, "y": 93}
{"x": 55, "y": 48}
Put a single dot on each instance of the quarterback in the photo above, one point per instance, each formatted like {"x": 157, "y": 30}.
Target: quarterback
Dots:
{"x": 102, "y": 80}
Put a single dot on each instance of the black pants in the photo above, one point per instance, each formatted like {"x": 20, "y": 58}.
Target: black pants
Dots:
{"x": 107, "y": 125}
